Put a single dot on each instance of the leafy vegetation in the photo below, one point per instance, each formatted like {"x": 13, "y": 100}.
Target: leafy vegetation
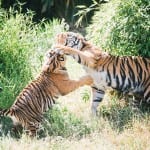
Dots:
{"x": 22, "y": 45}
{"x": 117, "y": 27}
{"x": 123, "y": 29}
{"x": 60, "y": 122}
{"x": 50, "y": 9}
{"x": 131, "y": 29}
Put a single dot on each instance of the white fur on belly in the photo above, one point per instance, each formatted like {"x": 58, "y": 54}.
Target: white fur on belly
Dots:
{"x": 99, "y": 78}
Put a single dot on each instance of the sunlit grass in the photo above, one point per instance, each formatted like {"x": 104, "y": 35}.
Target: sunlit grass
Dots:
{"x": 69, "y": 125}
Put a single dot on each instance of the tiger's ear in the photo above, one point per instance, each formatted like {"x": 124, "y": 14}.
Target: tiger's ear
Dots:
{"x": 61, "y": 38}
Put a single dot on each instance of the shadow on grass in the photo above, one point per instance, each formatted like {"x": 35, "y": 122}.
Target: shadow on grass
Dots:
{"x": 57, "y": 122}
{"x": 5, "y": 126}
{"x": 60, "y": 122}
{"x": 121, "y": 117}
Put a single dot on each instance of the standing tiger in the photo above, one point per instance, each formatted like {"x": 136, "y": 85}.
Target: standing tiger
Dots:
{"x": 127, "y": 74}
{"x": 39, "y": 95}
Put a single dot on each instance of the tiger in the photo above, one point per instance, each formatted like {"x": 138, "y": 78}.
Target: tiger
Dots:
{"x": 41, "y": 93}
{"x": 129, "y": 75}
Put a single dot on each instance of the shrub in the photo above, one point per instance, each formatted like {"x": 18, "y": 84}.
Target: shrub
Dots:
{"x": 130, "y": 34}
{"x": 22, "y": 46}
{"x": 123, "y": 27}
{"x": 14, "y": 52}
{"x": 60, "y": 122}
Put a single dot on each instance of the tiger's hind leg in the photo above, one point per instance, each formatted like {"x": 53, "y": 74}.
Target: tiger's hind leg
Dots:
{"x": 97, "y": 98}
{"x": 141, "y": 97}
{"x": 136, "y": 102}
{"x": 31, "y": 129}
{"x": 17, "y": 130}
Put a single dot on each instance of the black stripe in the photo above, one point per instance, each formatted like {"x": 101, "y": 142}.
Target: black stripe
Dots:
{"x": 33, "y": 97}
{"x": 79, "y": 59}
{"x": 145, "y": 62}
{"x": 32, "y": 103}
{"x": 98, "y": 99}
{"x": 29, "y": 108}
{"x": 117, "y": 83}
{"x": 123, "y": 75}
{"x": 39, "y": 92}
{"x": 94, "y": 87}
{"x": 109, "y": 77}
{"x": 37, "y": 97}
{"x": 131, "y": 73}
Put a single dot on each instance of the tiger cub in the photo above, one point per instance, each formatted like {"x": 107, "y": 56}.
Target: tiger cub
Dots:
{"x": 127, "y": 74}
{"x": 39, "y": 95}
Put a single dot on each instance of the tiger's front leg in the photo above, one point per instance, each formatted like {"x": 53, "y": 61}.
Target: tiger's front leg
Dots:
{"x": 71, "y": 85}
{"x": 97, "y": 98}
{"x": 84, "y": 58}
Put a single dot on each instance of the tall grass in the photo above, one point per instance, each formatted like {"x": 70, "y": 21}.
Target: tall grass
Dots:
{"x": 22, "y": 46}
{"x": 69, "y": 125}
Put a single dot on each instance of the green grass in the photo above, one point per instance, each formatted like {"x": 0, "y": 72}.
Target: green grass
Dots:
{"x": 22, "y": 47}
{"x": 69, "y": 125}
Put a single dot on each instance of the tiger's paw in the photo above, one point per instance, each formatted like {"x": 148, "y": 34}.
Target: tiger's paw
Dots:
{"x": 62, "y": 49}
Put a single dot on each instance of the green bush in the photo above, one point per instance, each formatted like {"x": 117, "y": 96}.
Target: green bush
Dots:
{"x": 125, "y": 29}
{"x": 60, "y": 122}
{"x": 14, "y": 51}
{"x": 102, "y": 23}
{"x": 131, "y": 33}
{"x": 22, "y": 47}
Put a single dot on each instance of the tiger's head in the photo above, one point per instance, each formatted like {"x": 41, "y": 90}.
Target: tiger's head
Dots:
{"x": 71, "y": 39}
{"x": 77, "y": 41}
{"x": 54, "y": 62}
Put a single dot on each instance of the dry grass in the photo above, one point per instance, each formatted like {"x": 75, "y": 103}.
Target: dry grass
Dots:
{"x": 115, "y": 129}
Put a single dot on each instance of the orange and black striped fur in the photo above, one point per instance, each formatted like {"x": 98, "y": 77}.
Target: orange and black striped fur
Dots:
{"x": 39, "y": 95}
{"x": 127, "y": 74}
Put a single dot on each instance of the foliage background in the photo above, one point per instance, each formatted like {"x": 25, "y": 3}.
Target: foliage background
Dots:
{"x": 22, "y": 47}
{"x": 50, "y": 9}
{"x": 124, "y": 29}
{"x": 120, "y": 27}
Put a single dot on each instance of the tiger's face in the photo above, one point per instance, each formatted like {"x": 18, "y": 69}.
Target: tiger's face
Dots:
{"x": 71, "y": 39}
{"x": 54, "y": 62}
{"x": 77, "y": 41}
